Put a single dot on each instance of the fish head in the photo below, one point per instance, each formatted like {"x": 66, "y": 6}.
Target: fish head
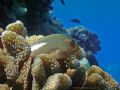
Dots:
{"x": 72, "y": 45}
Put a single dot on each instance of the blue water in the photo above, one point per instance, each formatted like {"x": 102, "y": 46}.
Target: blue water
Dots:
{"x": 101, "y": 17}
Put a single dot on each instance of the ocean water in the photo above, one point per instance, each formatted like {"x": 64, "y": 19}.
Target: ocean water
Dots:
{"x": 101, "y": 17}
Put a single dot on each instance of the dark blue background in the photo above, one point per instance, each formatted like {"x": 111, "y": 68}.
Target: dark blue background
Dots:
{"x": 101, "y": 17}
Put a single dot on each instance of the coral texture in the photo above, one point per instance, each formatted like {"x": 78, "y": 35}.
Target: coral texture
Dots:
{"x": 58, "y": 82}
{"x": 104, "y": 75}
{"x": 38, "y": 74}
{"x": 47, "y": 63}
{"x": 17, "y": 27}
{"x": 4, "y": 87}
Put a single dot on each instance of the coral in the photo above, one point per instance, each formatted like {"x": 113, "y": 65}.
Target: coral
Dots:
{"x": 3, "y": 57}
{"x": 11, "y": 70}
{"x": 72, "y": 62}
{"x": 105, "y": 75}
{"x": 1, "y": 31}
{"x": 96, "y": 80}
{"x": 80, "y": 54}
{"x": 4, "y": 87}
{"x": 77, "y": 75}
{"x": 47, "y": 63}
{"x": 8, "y": 61}
{"x": 51, "y": 65}
{"x": 14, "y": 43}
{"x": 38, "y": 74}
{"x": 16, "y": 46}
{"x": 34, "y": 39}
{"x": 16, "y": 52}
{"x": 58, "y": 82}
{"x": 17, "y": 27}
{"x": 24, "y": 78}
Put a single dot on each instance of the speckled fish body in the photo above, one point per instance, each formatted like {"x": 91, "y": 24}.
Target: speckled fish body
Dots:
{"x": 51, "y": 44}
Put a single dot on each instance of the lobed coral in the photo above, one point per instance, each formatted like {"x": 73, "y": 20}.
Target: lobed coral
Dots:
{"x": 23, "y": 78}
{"x": 58, "y": 81}
{"x": 49, "y": 63}
{"x": 77, "y": 75}
{"x": 17, "y": 27}
{"x": 38, "y": 74}
{"x": 104, "y": 75}
{"x": 96, "y": 80}
{"x": 8, "y": 62}
{"x": 20, "y": 65}
{"x": 4, "y": 87}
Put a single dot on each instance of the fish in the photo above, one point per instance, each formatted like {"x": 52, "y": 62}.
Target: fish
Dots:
{"x": 61, "y": 44}
{"x": 62, "y": 2}
{"x": 75, "y": 20}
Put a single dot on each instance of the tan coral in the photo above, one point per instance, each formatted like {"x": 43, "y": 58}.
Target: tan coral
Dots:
{"x": 9, "y": 63}
{"x": 51, "y": 56}
{"x": 54, "y": 65}
{"x": 58, "y": 81}
{"x": 17, "y": 27}
{"x": 38, "y": 74}
{"x": 16, "y": 46}
{"x": 11, "y": 70}
{"x": 14, "y": 43}
{"x": 24, "y": 77}
{"x": 34, "y": 39}
{"x": 77, "y": 75}
{"x": 106, "y": 76}
{"x": 80, "y": 54}
{"x": 51, "y": 65}
{"x": 72, "y": 62}
{"x": 4, "y": 87}
{"x": 1, "y": 31}
{"x": 4, "y": 59}
{"x": 97, "y": 81}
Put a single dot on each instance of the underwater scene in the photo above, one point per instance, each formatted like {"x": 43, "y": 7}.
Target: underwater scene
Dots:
{"x": 59, "y": 44}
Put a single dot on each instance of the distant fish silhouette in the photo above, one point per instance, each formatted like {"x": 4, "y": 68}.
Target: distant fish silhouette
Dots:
{"x": 63, "y": 2}
{"x": 75, "y": 20}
